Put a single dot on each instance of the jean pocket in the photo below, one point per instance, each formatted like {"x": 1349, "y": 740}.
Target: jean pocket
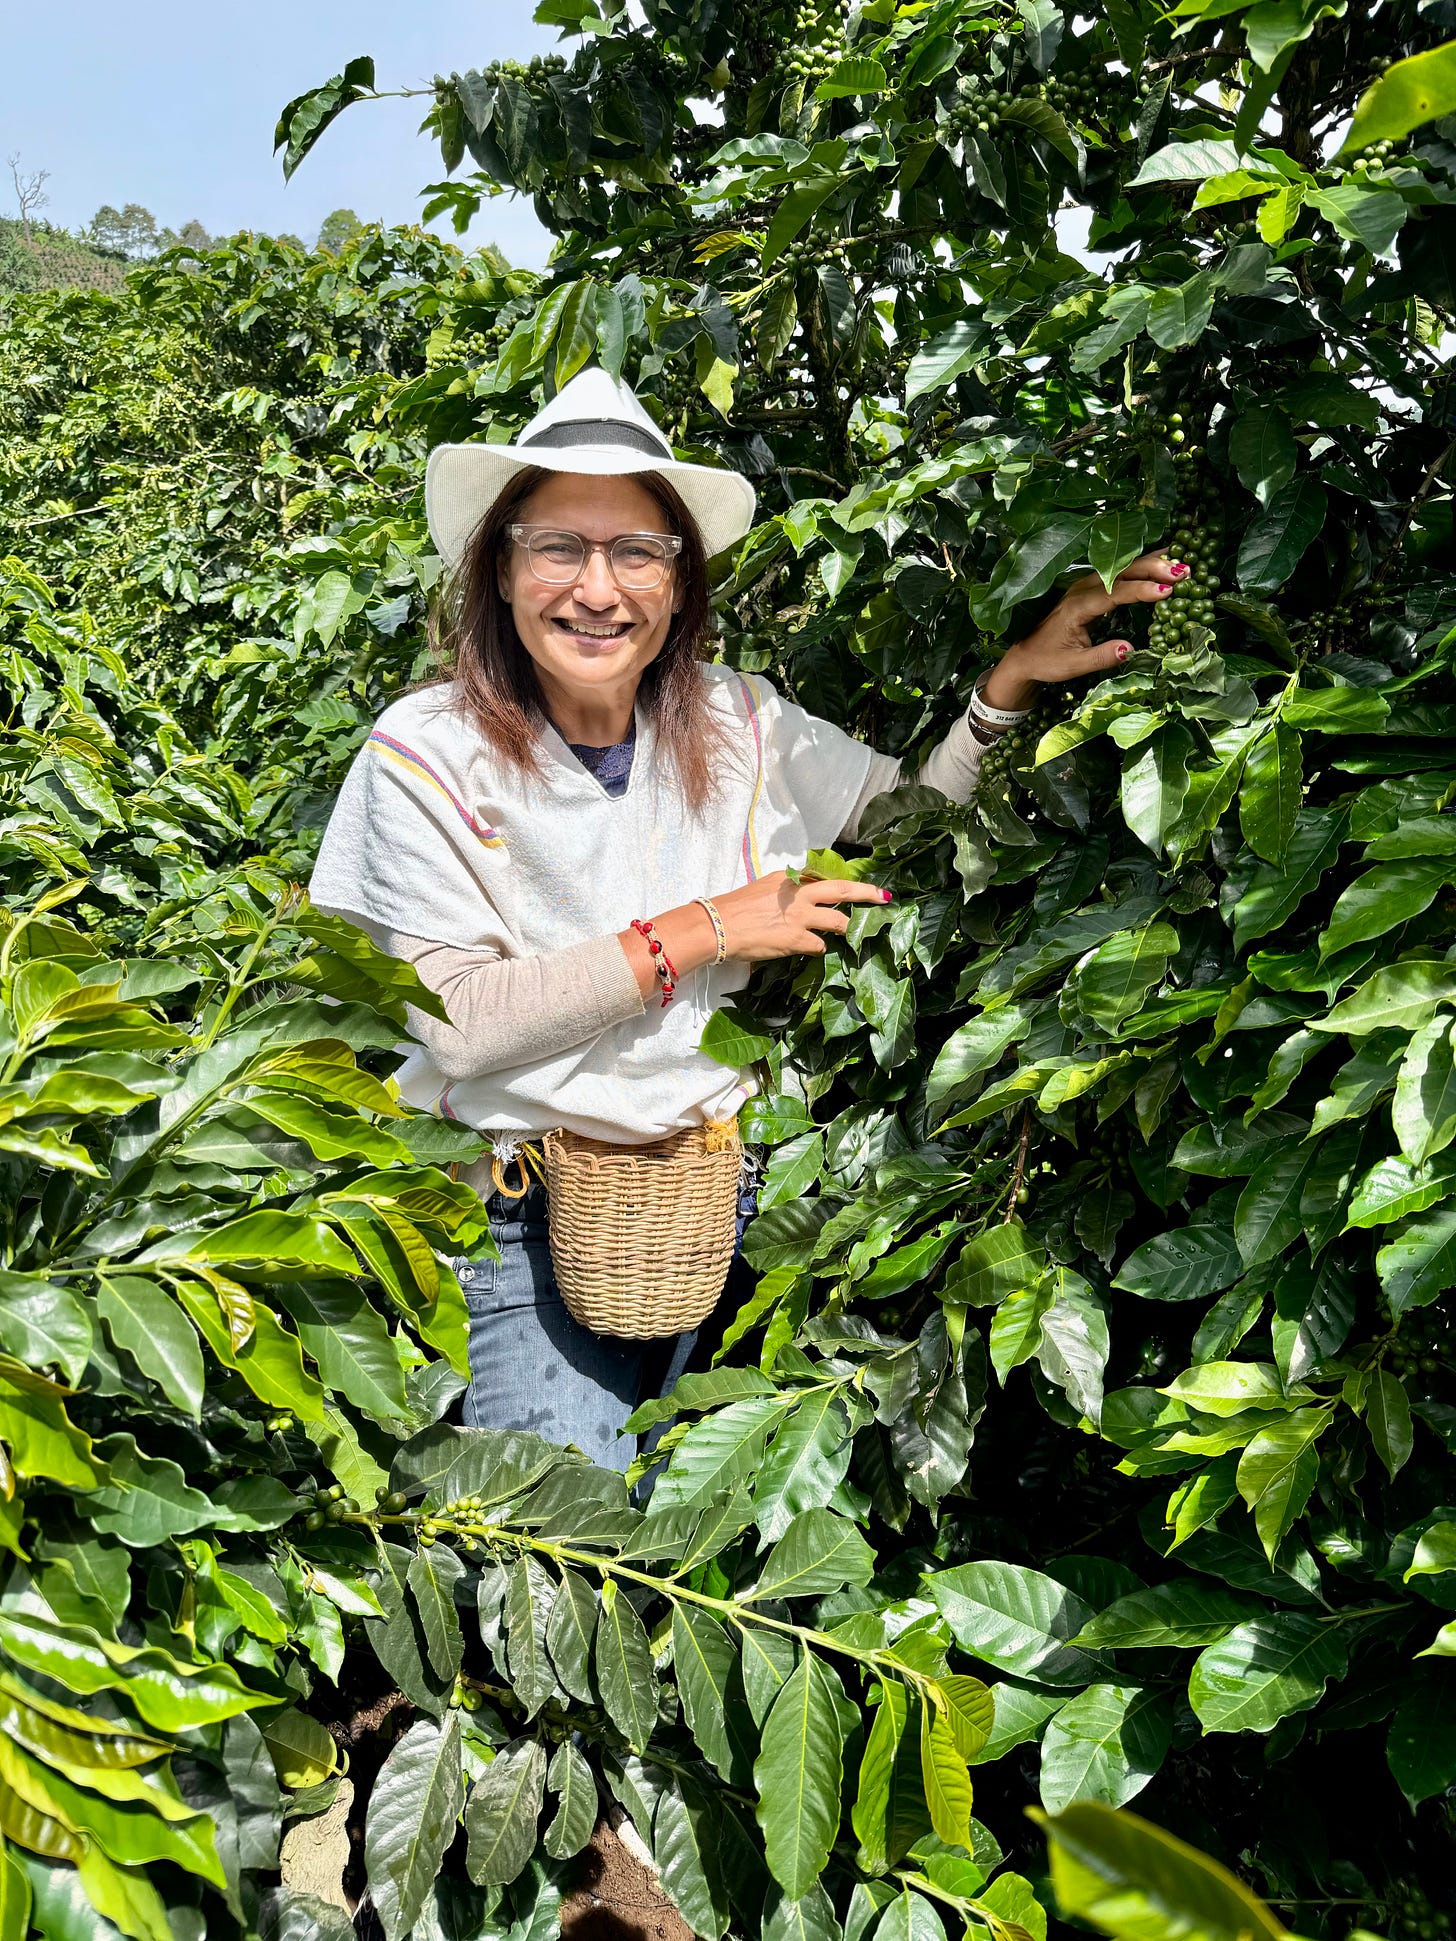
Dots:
{"x": 478, "y": 1279}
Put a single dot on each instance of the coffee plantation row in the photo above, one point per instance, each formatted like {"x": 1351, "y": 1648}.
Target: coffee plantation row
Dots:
{"x": 1087, "y": 1438}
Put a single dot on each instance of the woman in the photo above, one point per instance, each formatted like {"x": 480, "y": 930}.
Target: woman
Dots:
{"x": 580, "y": 839}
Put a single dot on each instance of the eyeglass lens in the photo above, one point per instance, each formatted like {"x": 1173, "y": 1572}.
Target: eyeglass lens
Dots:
{"x": 636, "y": 559}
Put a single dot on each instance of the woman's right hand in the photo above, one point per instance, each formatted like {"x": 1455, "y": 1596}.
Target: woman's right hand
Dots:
{"x": 776, "y": 918}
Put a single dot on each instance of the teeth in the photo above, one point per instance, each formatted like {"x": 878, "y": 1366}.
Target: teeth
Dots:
{"x": 595, "y": 633}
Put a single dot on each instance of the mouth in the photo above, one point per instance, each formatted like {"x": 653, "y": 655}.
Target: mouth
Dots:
{"x": 594, "y": 630}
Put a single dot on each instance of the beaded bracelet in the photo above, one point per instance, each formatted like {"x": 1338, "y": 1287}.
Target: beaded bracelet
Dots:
{"x": 662, "y": 964}
{"x": 717, "y": 922}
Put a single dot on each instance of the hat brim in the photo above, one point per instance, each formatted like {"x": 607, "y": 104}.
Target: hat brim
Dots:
{"x": 462, "y": 483}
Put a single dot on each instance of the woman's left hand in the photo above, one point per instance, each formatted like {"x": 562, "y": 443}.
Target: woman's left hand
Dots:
{"x": 1062, "y": 648}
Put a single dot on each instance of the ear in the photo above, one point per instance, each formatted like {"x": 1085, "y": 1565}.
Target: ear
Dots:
{"x": 503, "y": 576}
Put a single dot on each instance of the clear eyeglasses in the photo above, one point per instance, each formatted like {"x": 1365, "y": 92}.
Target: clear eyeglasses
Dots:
{"x": 638, "y": 560}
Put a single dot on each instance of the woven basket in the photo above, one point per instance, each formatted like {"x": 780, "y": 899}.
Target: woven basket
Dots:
{"x": 641, "y": 1236}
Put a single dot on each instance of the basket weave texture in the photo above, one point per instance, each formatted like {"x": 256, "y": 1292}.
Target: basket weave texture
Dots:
{"x": 642, "y": 1236}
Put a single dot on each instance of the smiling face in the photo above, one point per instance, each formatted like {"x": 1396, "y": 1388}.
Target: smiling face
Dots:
{"x": 589, "y": 641}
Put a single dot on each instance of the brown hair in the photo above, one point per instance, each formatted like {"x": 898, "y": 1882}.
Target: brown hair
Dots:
{"x": 474, "y": 634}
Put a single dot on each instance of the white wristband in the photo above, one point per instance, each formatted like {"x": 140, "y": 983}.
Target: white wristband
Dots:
{"x": 994, "y": 717}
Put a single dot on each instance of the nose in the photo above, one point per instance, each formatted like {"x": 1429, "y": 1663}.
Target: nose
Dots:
{"x": 596, "y": 587}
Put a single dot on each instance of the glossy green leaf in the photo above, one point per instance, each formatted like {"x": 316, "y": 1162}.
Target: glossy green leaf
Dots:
{"x": 167, "y": 1693}
{"x": 147, "y": 1498}
{"x": 1278, "y": 538}
{"x": 797, "y": 1776}
{"x": 1155, "y": 785}
{"x": 1130, "y": 1878}
{"x": 1400, "y": 997}
{"x": 624, "y": 1669}
{"x": 1388, "y": 1418}
{"x": 717, "y": 1451}
{"x": 569, "y": 1633}
{"x": 974, "y": 1048}
{"x": 818, "y": 1552}
{"x": 1383, "y": 899}
{"x": 569, "y": 1777}
{"x": 154, "y": 1331}
{"x": 301, "y": 1748}
{"x": 1106, "y": 1744}
{"x": 1002, "y": 1260}
{"x": 1424, "y": 1111}
{"x": 705, "y": 1664}
{"x": 1421, "y": 1746}
{"x": 1270, "y": 793}
{"x": 45, "y": 1324}
{"x": 15, "y": 1898}
{"x": 1185, "y": 1265}
{"x": 946, "y": 1780}
{"x": 854, "y": 75}
{"x": 1264, "y": 1671}
{"x": 1418, "y": 1264}
{"x": 1277, "y": 1473}
{"x": 1268, "y": 1216}
{"x": 1187, "y": 162}
{"x": 1275, "y": 892}
{"x": 1184, "y": 1614}
{"x": 1393, "y": 1188}
{"x": 767, "y": 1658}
{"x": 732, "y": 1042}
{"x": 350, "y": 1343}
{"x": 433, "y": 1573}
{"x": 1114, "y": 981}
{"x": 945, "y": 358}
{"x": 1263, "y": 451}
{"x": 890, "y": 1811}
{"x": 502, "y": 1811}
{"x": 1017, "y": 1619}
{"x": 1408, "y": 94}
{"x": 810, "y": 1918}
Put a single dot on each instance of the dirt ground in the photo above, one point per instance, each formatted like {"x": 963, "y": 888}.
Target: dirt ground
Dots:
{"x": 617, "y": 1899}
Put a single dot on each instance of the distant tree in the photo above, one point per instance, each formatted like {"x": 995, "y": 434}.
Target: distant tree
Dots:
{"x": 131, "y": 231}
{"x": 140, "y": 230}
{"x": 191, "y": 235}
{"x": 104, "y": 229}
{"x": 336, "y": 229}
{"x": 29, "y": 190}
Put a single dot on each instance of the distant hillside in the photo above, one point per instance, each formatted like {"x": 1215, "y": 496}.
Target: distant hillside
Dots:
{"x": 54, "y": 259}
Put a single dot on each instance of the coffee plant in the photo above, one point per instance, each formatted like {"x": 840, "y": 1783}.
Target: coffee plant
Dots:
{"x": 1087, "y": 1435}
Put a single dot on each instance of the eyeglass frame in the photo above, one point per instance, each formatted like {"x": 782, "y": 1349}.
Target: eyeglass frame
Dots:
{"x": 671, "y": 540}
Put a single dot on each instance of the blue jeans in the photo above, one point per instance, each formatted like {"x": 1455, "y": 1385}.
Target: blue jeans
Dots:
{"x": 533, "y": 1367}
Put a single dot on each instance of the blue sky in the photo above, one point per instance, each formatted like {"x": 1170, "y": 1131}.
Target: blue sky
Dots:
{"x": 173, "y": 106}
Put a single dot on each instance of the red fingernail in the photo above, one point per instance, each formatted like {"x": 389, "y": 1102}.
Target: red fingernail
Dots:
{"x": 1121, "y": 650}
{"x": 1179, "y": 569}
{"x": 888, "y": 895}
{"x": 1165, "y": 586}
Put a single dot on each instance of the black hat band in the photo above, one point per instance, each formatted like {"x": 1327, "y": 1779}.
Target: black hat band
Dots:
{"x": 590, "y": 431}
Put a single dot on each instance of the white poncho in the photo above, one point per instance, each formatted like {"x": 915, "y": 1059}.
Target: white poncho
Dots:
{"x": 435, "y": 836}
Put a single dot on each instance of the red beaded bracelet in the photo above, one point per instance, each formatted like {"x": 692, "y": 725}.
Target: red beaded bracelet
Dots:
{"x": 662, "y": 964}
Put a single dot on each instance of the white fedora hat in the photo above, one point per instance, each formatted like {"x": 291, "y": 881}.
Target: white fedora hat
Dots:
{"x": 595, "y": 425}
